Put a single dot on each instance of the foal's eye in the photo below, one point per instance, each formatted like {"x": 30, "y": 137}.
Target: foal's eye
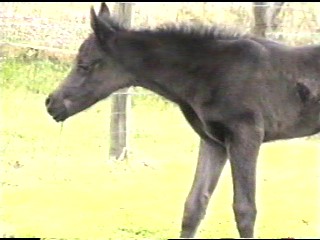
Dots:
{"x": 84, "y": 68}
{"x": 96, "y": 65}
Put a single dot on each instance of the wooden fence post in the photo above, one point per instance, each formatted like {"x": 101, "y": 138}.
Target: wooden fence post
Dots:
{"x": 119, "y": 125}
{"x": 265, "y": 16}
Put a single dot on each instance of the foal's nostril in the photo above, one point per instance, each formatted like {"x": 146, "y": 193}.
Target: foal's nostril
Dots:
{"x": 48, "y": 100}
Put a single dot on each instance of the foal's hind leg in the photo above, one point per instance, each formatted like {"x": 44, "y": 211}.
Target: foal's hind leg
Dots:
{"x": 211, "y": 160}
{"x": 243, "y": 148}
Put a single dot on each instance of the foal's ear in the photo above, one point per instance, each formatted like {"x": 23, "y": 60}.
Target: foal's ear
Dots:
{"x": 104, "y": 12}
{"x": 100, "y": 28}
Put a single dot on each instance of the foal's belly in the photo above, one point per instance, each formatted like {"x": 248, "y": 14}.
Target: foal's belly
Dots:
{"x": 292, "y": 121}
{"x": 293, "y": 132}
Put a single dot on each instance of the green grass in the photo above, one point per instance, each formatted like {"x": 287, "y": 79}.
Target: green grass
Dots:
{"x": 31, "y": 74}
{"x": 57, "y": 181}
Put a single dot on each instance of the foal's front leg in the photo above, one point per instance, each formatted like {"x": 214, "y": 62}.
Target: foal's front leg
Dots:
{"x": 211, "y": 160}
{"x": 243, "y": 148}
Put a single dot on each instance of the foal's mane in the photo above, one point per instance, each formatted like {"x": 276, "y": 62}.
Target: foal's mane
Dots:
{"x": 200, "y": 31}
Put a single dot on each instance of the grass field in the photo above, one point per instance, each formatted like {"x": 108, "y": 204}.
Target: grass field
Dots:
{"x": 57, "y": 182}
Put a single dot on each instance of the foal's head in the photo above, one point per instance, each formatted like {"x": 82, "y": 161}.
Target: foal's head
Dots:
{"x": 96, "y": 72}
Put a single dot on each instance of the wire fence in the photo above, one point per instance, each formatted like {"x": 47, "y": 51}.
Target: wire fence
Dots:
{"x": 58, "y": 26}
{"x": 61, "y": 27}
{"x": 57, "y": 29}
{"x": 65, "y": 25}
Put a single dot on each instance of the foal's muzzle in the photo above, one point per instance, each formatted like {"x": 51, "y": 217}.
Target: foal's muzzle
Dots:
{"x": 56, "y": 108}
